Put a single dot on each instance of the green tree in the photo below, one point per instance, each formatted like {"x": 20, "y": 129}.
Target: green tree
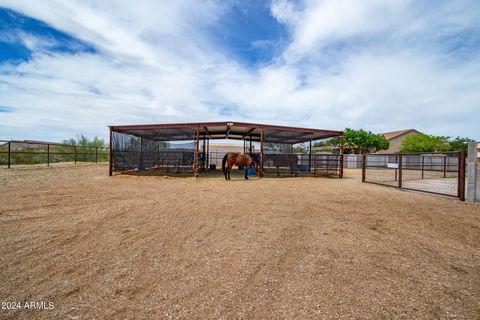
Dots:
{"x": 280, "y": 147}
{"x": 459, "y": 144}
{"x": 87, "y": 149}
{"x": 364, "y": 141}
{"x": 335, "y": 141}
{"x": 83, "y": 141}
{"x": 425, "y": 143}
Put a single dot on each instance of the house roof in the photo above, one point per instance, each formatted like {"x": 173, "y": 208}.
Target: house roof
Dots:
{"x": 393, "y": 134}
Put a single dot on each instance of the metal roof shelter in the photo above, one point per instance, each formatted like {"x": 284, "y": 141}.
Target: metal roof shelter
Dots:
{"x": 226, "y": 130}
{"x": 222, "y": 130}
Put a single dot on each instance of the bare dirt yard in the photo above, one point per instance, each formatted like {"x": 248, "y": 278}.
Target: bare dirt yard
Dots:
{"x": 130, "y": 247}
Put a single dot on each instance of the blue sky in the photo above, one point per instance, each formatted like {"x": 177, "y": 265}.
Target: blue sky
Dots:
{"x": 76, "y": 67}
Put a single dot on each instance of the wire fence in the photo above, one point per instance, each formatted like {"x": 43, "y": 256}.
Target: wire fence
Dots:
{"x": 15, "y": 152}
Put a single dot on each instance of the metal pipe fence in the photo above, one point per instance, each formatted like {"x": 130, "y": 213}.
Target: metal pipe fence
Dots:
{"x": 440, "y": 173}
{"x": 15, "y": 152}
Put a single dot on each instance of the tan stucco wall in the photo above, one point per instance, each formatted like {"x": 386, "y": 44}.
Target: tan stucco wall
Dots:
{"x": 396, "y": 142}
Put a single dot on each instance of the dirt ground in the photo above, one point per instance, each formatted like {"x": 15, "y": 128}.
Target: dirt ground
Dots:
{"x": 130, "y": 247}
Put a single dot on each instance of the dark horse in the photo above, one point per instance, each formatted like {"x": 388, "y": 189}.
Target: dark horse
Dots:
{"x": 278, "y": 160}
{"x": 241, "y": 160}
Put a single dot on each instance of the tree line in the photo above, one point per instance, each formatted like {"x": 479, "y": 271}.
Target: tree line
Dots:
{"x": 362, "y": 141}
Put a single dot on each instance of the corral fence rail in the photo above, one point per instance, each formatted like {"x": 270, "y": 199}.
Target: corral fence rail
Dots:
{"x": 441, "y": 173}
{"x": 14, "y": 152}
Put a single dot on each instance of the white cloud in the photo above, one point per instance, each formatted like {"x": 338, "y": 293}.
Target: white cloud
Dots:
{"x": 372, "y": 64}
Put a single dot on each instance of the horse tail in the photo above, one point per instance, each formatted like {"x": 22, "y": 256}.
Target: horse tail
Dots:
{"x": 223, "y": 162}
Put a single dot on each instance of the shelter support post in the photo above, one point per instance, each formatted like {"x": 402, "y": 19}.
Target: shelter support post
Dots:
{"x": 208, "y": 154}
{"x": 342, "y": 144}
{"x": 310, "y": 157}
{"x": 261, "y": 151}
{"x": 109, "y": 154}
{"x": 204, "y": 151}
{"x": 195, "y": 154}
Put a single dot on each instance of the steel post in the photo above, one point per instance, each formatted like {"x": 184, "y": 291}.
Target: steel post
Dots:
{"x": 48, "y": 155}
{"x": 204, "y": 147}
{"x": 342, "y": 146}
{"x": 364, "y": 167}
{"x": 310, "y": 157}
{"x": 261, "y": 151}
{"x": 9, "y": 154}
{"x": 110, "y": 153}
{"x": 400, "y": 171}
{"x": 461, "y": 175}
{"x": 445, "y": 166}
{"x": 423, "y": 165}
{"x": 195, "y": 154}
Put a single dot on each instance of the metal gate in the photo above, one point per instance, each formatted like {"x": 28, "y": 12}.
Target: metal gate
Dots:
{"x": 440, "y": 173}
{"x": 328, "y": 165}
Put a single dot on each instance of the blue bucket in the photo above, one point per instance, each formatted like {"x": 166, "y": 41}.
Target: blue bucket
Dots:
{"x": 250, "y": 172}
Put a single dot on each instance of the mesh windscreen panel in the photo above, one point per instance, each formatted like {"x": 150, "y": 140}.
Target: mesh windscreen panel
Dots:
{"x": 134, "y": 153}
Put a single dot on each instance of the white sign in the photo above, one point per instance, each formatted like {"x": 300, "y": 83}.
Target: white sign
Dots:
{"x": 392, "y": 165}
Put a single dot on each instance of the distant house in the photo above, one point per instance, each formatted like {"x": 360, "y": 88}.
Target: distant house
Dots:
{"x": 395, "y": 138}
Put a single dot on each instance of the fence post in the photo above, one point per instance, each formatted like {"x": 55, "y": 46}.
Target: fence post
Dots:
{"x": 396, "y": 169}
{"x": 96, "y": 154}
{"x": 48, "y": 155}
{"x": 400, "y": 171}
{"x": 9, "y": 153}
{"x": 364, "y": 166}
{"x": 461, "y": 175}
{"x": 473, "y": 187}
{"x": 341, "y": 166}
{"x": 423, "y": 165}
{"x": 445, "y": 165}
{"x": 75, "y": 154}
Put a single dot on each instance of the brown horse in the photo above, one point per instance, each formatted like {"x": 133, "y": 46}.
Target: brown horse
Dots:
{"x": 235, "y": 159}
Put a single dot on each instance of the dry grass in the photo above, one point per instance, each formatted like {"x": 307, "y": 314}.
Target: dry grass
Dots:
{"x": 155, "y": 247}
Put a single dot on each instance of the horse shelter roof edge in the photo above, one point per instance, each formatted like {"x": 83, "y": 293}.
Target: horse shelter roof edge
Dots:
{"x": 226, "y": 130}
